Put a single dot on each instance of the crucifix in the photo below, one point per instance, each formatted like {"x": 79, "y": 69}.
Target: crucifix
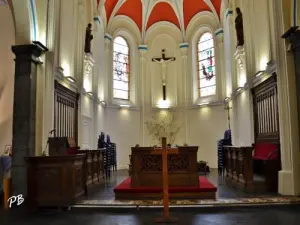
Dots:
{"x": 228, "y": 111}
{"x": 164, "y": 151}
{"x": 163, "y": 62}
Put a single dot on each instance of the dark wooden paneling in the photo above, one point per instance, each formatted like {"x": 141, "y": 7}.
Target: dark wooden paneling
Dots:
{"x": 265, "y": 106}
{"x": 65, "y": 112}
{"x": 147, "y": 168}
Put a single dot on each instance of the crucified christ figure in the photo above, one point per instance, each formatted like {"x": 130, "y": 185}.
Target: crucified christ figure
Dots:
{"x": 163, "y": 62}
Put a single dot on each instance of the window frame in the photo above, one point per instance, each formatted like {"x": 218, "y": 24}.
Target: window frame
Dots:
{"x": 129, "y": 65}
{"x": 199, "y": 51}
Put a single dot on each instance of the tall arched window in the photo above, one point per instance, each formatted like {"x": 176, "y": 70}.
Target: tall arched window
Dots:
{"x": 121, "y": 65}
{"x": 206, "y": 66}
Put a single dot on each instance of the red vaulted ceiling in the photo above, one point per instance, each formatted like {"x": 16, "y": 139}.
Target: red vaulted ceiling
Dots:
{"x": 162, "y": 11}
{"x": 132, "y": 9}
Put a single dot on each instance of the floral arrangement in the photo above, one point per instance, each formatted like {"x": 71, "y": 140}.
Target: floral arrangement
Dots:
{"x": 161, "y": 125}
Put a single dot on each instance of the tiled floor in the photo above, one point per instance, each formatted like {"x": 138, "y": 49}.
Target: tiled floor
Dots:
{"x": 253, "y": 216}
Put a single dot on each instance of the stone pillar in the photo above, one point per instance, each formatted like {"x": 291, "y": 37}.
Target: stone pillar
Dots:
{"x": 287, "y": 107}
{"x": 220, "y": 64}
{"x": 143, "y": 50}
{"x": 184, "y": 50}
{"x": 50, "y": 65}
{"x": 107, "y": 75}
{"x": 24, "y": 116}
{"x": 108, "y": 81}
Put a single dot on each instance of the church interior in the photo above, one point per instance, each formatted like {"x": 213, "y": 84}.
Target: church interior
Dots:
{"x": 118, "y": 102}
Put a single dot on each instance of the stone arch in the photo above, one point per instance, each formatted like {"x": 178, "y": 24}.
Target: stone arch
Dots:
{"x": 25, "y": 21}
{"x": 6, "y": 74}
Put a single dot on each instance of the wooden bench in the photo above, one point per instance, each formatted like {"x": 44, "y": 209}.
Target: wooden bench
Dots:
{"x": 241, "y": 170}
{"x": 266, "y": 163}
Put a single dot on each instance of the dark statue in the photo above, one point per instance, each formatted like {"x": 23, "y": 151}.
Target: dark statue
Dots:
{"x": 88, "y": 39}
{"x": 239, "y": 27}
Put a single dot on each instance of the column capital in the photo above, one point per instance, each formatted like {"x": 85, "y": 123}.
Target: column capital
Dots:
{"x": 107, "y": 38}
{"x": 31, "y": 51}
{"x": 228, "y": 13}
{"x": 219, "y": 35}
{"x": 184, "y": 48}
{"x": 143, "y": 50}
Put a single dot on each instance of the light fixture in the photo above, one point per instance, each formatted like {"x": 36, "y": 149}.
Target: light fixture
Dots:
{"x": 90, "y": 93}
{"x": 103, "y": 103}
{"x": 71, "y": 79}
{"x": 203, "y": 104}
{"x": 239, "y": 89}
{"x": 125, "y": 106}
{"x": 226, "y": 99}
{"x": 259, "y": 73}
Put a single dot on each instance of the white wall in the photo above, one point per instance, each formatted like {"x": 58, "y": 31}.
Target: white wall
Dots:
{"x": 124, "y": 129}
{"x": 7, "y": 66}
{"x": 207, "y": 126}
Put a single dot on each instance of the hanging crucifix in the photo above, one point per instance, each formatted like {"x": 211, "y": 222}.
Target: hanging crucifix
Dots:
{"x": 228, "y": 110}
{"x": 163, "y": 62}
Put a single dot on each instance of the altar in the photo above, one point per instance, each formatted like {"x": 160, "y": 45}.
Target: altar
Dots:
{"x": 147, "y": 168}
{"x": 146, "y": 176}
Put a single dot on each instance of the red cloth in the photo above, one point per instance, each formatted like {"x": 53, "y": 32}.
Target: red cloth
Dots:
{"x": 72, "y": 151}
{"x": 263, "y": 150}
{"x": 205, "y": 186}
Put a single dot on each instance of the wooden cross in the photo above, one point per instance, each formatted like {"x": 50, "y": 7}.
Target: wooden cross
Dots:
{"x": 228, "y": 110}
{"x": 163, "y": 61}
{"x": 164, "y": 151}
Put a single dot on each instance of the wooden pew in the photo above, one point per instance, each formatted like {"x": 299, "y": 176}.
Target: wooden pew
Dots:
{"x": 239, "y": 169}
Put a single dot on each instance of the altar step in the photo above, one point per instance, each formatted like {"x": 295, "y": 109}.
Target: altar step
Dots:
{"x": 205, "y": 190}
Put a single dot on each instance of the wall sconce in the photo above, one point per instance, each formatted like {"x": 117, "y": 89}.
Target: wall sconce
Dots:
{"x": 71, "y": 79}
{"x": 204, "y": 104}
{"x": 125, "y": 106}
{"x": 90, "y": 93}
{"x": 103, "y": 103}
{"x": 239, "y": 89}
{"x": 226, "y": 99}
{"x": 259, "y": 73}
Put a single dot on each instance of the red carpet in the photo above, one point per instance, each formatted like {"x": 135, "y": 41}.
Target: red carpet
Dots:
{"x": 205, "y": 186}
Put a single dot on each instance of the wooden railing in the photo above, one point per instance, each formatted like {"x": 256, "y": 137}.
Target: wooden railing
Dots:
{"x": 239, "y": 166}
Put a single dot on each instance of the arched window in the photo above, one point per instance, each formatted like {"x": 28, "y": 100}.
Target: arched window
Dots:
{"x": 121, "y": 67}
{"x": 206, "y": 66}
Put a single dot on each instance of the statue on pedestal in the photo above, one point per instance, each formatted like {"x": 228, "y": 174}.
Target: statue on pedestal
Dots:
{"x": 88, "y": 39}
{"x": 239, "y": 27}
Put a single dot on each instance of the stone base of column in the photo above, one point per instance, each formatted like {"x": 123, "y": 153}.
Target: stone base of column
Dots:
{"x": 286, "y": 184}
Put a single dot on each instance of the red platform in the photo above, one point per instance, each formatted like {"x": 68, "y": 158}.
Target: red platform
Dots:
{"x": 206, "y": 190}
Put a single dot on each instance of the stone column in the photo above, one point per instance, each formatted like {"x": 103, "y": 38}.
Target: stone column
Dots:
{"x": 24, "y": 116}
{"x": 184, "y": 51}
{"x": 287, "y": 106}
{"x": 107, "y": 75}
{"x": 143, "y": 50}
{"x": 220, "y": 64}
{"x": 50, "y": 65}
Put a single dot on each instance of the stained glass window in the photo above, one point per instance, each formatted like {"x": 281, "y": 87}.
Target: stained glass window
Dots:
{"x": 206, "y": 65}
{"x": 121, "y": 68}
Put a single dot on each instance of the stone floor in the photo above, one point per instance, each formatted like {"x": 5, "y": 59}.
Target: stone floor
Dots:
{"x": 258, "y": 216}
{"x": 224, "y": 192}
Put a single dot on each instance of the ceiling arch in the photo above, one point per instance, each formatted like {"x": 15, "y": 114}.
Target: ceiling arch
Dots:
{"x": 145, "y": 13}
{"x": 162, "y": 11}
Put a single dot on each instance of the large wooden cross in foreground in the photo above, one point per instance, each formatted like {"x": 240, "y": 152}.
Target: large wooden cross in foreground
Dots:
{"x": 164, "y": 151}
